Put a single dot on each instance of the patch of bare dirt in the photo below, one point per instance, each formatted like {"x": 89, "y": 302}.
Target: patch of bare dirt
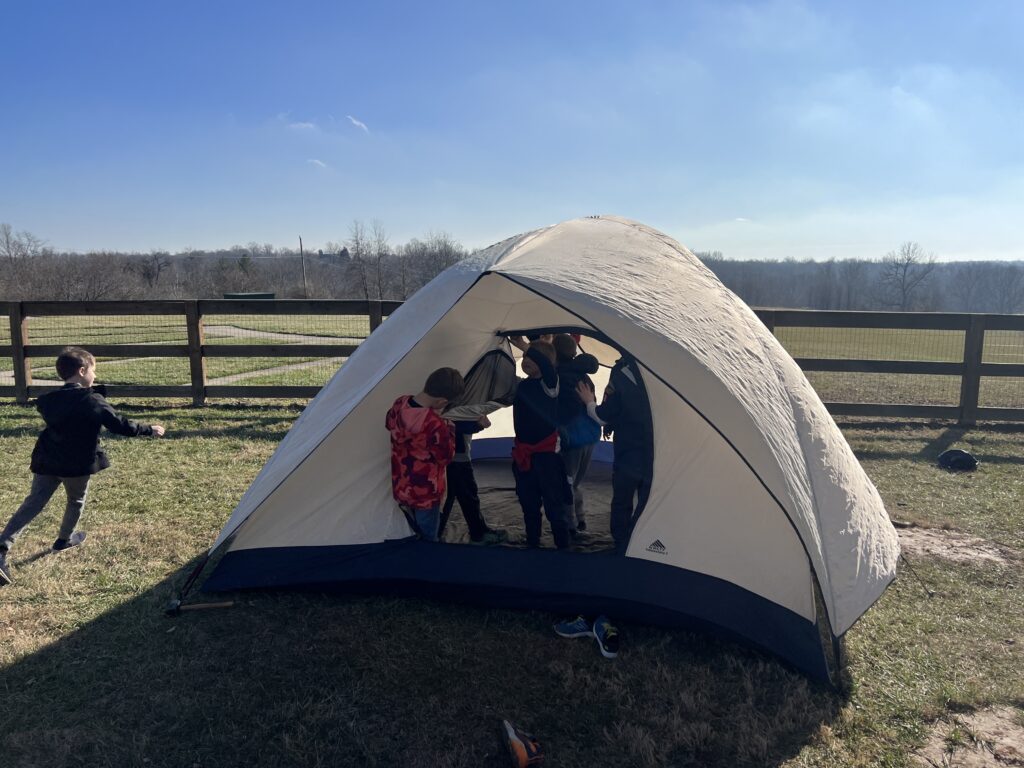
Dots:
{"x": 990, "y": 738}
{"x": 952, "y": 545}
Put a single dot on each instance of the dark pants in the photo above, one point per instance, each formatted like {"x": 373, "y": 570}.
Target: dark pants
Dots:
{"x": 43, "y": 487}
{"x": 462, "y": 488}
{"x": 627, "y": 486}
{"x": 577, "y": 462}
{"x": 544, "y": 484}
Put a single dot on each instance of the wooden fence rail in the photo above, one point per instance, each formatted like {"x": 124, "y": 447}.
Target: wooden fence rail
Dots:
{"x": 970, "y": 369}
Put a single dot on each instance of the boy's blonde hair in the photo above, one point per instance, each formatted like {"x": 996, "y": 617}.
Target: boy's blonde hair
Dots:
{"x": 71, "y": 360}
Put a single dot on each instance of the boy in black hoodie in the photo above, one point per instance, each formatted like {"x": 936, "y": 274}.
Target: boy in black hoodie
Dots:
{"x": 626, "y": 412}
{"x": 538, "y": 467}
{"x": 68, "y": 450}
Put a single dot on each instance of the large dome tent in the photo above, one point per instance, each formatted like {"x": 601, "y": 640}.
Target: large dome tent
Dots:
{"x": 760, "y": 522}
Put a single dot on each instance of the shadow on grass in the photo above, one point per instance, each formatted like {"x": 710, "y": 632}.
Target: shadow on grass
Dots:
{"x": 304, "y": 679}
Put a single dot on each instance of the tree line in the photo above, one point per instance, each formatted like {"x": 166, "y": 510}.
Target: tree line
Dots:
{"x": 367, "y": 265}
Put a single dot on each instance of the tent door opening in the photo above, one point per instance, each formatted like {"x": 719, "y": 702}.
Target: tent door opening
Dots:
{"x": 490, "y": 386}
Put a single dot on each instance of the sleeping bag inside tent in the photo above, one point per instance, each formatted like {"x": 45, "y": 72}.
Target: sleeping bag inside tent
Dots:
{"x": 759, "y": 523}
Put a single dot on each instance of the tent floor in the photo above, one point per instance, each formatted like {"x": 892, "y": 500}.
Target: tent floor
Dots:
{"x": 500, "y": 507}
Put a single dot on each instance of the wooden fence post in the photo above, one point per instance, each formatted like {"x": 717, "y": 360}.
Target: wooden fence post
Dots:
{"x": 970, "y": 383}
{"x": 22, "y": 366}
{"x": 196, "y": 361}
{"x": 376, "y": 315}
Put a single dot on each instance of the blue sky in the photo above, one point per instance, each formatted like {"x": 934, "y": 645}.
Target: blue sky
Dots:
{"x": 761, "y": 129}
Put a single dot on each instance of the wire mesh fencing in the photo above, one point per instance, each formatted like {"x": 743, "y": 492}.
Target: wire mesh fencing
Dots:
{"x": 1007, "y": 348}
{"x": 292, "y": 348}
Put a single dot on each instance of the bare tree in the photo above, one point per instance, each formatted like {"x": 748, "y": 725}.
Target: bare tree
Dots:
{"x": 823, "y": 288}
{"x": 359, "y": 248}
{"x": 968, "y": 284}
{"x": 904, "y": 273}
{"x": 1007, "y": 287}
{"x": 853, "y": 280}
{"x": 381, "y": 249}
{"x": 150, "y": 267}
{"x": 23, "y": 245}
{"x": 443, "y": 251}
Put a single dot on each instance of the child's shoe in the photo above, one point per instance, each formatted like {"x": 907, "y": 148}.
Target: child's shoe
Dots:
{"x": 5, "y": 572}
{"x": 578, "y": 627}
{"x": 73, "y": 540}
{"x": 607, "y": 637}
{"x": 523, "y": 748}
{"x": 491, "y": 537}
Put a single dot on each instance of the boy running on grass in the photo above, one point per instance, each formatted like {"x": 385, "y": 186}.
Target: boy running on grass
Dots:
{"x": 68, "y": 450}
{"x": 422, "y": 447}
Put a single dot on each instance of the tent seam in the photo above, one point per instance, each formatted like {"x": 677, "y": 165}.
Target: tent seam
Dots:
{"x": 803, "y": 455}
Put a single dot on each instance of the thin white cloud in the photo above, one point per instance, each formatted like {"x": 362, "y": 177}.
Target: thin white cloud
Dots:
{"x": 302, "y": 126}
{"x": 742, "y": 220}
{"x": 317, "y": 163}
{"x": 358, "y": 124}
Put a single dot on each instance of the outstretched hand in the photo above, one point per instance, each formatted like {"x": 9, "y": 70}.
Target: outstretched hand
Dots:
{"x": 584, "y": 392}
{"x": 158, "y": 430}
{"x": 518, "y": 342}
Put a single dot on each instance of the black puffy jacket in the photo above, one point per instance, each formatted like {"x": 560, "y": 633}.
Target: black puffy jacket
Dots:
{"x": 570, "y": 373}
{"x": 69, "y": 446}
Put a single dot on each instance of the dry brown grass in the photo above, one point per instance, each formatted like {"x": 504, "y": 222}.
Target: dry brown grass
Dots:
{"x": 92, "y": 673}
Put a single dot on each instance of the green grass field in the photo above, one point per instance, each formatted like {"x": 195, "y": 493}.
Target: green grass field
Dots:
{"x": 92, "y": 673}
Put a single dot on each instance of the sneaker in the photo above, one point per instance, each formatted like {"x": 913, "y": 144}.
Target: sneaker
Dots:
{"x": 73, "y": 540}
{"x": 578, "y": 627}
{"x": 5, "y": 572}
{"x": 523, "y": 748}
{"x": 607, "y": 637}
{"x": 491, "y": 537}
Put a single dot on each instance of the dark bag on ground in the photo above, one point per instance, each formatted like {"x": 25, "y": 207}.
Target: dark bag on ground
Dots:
{"x": 956, "y": 460}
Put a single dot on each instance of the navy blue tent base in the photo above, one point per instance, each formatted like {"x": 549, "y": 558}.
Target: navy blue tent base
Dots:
{"x": 624, "y": 588}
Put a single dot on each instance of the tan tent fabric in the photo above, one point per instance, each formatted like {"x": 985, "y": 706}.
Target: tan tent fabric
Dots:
{"x": 753, "y": 482}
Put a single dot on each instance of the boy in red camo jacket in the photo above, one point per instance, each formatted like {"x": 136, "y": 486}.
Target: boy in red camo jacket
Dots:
{"x": 422, "y": 446}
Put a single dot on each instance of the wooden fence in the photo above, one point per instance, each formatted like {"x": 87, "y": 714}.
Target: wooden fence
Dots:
{"x": 22, "y": 350}
{"x": 970, "y": 369}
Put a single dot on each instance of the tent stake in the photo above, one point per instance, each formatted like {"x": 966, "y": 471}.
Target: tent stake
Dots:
{"x": 917, "y": 576}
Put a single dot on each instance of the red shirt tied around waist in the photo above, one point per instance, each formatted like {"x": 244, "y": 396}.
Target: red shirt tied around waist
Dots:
{"x": 422, "y": 446}
{"x": 538, "y": 468}
{"x": 522, "y": 453}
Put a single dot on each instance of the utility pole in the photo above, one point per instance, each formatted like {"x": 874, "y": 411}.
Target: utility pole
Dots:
{"x": 302, "y": 260}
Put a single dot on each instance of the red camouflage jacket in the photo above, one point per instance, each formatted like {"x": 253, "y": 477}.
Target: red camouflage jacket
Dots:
{"x": 422, "y": 446}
